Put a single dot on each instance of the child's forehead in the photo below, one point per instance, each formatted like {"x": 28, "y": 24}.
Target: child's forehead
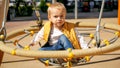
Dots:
{"x": 57, "y": 10}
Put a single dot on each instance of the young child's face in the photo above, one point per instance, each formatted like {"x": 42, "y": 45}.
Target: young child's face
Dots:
{"x": 57, "y": 17}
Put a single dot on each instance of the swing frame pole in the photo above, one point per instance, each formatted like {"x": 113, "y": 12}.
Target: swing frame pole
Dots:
{"x": 3, "y": 14}
{"x": 119, "y": 12}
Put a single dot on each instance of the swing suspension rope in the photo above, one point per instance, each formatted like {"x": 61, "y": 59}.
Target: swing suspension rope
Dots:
{"x": 3, "y": 29}
{"x": 37, "y": 13}
{"x": 98, "y": 26}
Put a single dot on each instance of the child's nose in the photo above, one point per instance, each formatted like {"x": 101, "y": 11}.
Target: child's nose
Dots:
{"x": 59, "y": 18}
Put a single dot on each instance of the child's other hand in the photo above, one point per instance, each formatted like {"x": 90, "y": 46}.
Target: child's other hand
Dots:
{"x": 42, "y": 42}
{"x": 31, "y": 44}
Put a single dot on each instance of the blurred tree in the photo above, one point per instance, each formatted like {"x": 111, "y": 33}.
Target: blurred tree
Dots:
{"x": 17, "y": 4}
{"x": 22, "y": 8}
{"x": 43, "y": 6}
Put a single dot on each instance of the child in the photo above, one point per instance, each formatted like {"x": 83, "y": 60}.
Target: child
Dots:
{"x": 57, "y": 33}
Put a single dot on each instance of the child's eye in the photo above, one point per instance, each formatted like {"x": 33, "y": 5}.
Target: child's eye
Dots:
{"x": 55, "y": 16}
{"x": 61, "y": 16}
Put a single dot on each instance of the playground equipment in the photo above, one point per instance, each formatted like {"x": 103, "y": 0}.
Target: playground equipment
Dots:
{"x": 118, "y": 12}
{"x": 71, "y": 55}
{"x": 3, "y": 13}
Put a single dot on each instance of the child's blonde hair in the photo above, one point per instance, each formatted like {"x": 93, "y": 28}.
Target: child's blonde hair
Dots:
{"x": 56, "y": 5}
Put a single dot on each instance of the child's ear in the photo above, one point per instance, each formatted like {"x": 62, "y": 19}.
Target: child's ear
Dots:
{"x": 49, "y": 18}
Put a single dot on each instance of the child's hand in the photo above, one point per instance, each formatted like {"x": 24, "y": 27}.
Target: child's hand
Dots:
{"x": 31, "y": 44}
{"x": 42, "y": 42}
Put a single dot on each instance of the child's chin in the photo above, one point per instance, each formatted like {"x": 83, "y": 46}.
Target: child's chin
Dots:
{"x": 60, "y": 25}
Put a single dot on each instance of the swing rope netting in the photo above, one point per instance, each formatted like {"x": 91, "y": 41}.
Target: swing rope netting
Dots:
{"x": 108, "y": 45}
